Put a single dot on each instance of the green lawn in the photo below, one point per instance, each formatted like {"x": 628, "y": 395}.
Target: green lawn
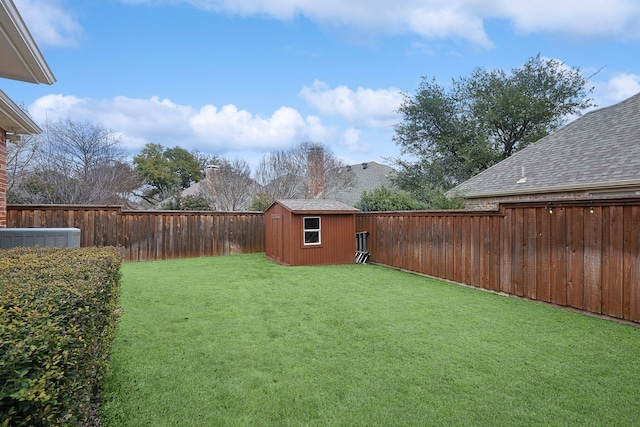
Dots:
{"x": 241, "y": 341}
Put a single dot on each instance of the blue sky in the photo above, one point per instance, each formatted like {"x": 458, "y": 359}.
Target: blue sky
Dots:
{"x": 245, "y": 77}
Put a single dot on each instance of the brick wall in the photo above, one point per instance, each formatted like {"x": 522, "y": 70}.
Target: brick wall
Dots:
{"x": 491, "y": 203}
{"x": 3, "y": 178}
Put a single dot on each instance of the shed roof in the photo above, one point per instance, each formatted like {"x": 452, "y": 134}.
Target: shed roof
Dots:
{"x": 316, "y": 206}
{"x": 600, "y": 150}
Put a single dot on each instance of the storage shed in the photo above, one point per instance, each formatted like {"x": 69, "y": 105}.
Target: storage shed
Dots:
{"x": 311, "y": 232}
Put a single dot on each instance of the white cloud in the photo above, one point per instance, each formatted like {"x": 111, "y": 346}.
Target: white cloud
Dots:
{"x": 209, "y": 129}
{"x": 351, "y": 139}
{"x": 373, "y": 108}
{"x": 243, "y": 129}
{"x": 49, "y": 23}
{"x": 591, "y": 19}
{"x": 437, "y": 19}
{"x": 618, "y": 88}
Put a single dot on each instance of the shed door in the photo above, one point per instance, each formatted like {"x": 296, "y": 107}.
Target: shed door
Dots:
{"x": 276, "y": 237}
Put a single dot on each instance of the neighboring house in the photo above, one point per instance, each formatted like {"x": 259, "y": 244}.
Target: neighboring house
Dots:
{"x": 228, "y": 192}
{"x": 20, "y": 59}
{"x": 594, "y": 157}
{"x": 368, "y": 177}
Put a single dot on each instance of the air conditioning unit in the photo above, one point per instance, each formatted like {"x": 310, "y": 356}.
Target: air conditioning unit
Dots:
{"x": 43, "y": 237}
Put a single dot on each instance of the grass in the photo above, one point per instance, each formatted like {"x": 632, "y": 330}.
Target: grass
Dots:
{"x": 241, "y": 341}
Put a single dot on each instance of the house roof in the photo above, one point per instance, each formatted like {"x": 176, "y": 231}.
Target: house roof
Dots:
{"x": 20, "y": 58}
{"x": 13, "y": 119}
{"x": 598, "y": 151}
{"x": 368, "y": 176}
{"x": 316, "y": 206}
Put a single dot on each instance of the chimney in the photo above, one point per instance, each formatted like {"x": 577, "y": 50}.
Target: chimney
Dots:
{"x": 315, "y": 171}
{"x": 209, "y": 170}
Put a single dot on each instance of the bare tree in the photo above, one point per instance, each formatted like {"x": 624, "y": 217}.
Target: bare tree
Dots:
{"x": 279, "y": 174}
{"x": 228, "y": 185}
{"x": 74, "y": 163}
{"x": 20, "y": 160}
{"x": 307, "y": 170}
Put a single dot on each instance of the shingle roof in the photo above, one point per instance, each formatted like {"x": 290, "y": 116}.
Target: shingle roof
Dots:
{"x": 597, "y": 151}
{"x": 368, "y": 176}
{"x": 316, "y": 206}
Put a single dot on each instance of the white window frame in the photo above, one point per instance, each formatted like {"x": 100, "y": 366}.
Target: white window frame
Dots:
{"x": 306, "y": 230}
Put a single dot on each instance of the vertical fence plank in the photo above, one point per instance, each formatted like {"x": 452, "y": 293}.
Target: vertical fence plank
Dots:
{"x": 458, "y": 253}
{"x": 575, "y": 258}
{"x": 484, "y": 252}
{"x": 558, "y": 253}
{"x": 518, "y": 253}
{"x": 593, "y": 261}
{"x": 466, "y": 250}
{"x": 447, "y": 247}
{"x": 530, "y": 251}
{"x": 634, "y": 271}
{"x": 543, "y": 259}
{"x": 612, "y": 265}
{"x": 495, "y": 242}
{"x": 506, "y": 253}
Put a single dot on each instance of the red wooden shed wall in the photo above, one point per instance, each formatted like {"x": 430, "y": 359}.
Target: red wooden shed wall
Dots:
{"x": 338, "y": 238}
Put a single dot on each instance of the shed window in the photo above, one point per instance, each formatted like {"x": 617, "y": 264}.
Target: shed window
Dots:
{"x": 312, "y": 230}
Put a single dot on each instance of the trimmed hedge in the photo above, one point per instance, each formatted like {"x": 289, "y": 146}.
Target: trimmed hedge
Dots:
{"x": 58, "y": 313}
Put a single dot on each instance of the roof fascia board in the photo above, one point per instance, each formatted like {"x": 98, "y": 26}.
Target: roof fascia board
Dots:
{"x": 559, "y": 189}
{"x": 25, "y": 48}
{"x": 18, "y": 121}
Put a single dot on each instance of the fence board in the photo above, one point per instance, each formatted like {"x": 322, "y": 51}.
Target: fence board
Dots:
{"x": 575, "y": 260}
{"x": 634, "y": 270}
{"x": 593, "y": 261}
{"x": 458, "y": 253}
{"x": 543, "y": 258}
{"x": 558, "y": 271}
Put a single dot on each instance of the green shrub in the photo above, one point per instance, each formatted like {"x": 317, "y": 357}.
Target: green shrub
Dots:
{"x": 388, "y": 199}
{"x": 58, "y": 312}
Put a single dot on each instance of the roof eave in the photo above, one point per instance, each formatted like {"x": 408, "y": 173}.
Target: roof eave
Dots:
{"x": 25, "y": 50}
{"x": 612, "y": 185}
{"x": 323, "y": 212}
{"x": 13, "y": 119}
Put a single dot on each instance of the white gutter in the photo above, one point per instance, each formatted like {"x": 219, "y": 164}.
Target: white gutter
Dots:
{"x": 20, "y": 50}
{"x": 557, "y": 189}
{"x": 14, "y": 120}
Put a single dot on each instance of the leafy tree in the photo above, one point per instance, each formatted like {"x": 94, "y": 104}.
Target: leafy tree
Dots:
{"x": 438, "y": 200}
{"x": 187, "y": 203}
{"x": 260, "y": 202}
{"x": 451, "y": 134}
{"x": 387, "y": 199}
{"x": 166, "y": 171}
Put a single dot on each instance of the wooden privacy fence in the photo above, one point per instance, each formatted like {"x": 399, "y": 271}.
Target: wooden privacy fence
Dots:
{"x": 149, "y": 235}
{"x": 580, "y": 254}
